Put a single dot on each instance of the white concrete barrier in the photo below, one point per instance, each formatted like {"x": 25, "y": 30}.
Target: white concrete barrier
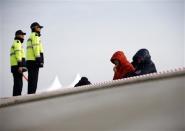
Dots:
{"x": 154, "y": 102}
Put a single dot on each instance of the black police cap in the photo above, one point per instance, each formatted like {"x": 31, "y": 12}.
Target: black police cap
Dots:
{"x": 34, "y": 24}
{"x": 20, "y": 32}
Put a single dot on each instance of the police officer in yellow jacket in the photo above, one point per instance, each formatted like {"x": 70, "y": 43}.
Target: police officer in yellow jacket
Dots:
{"x": 17, "y": 61}
{"x": 34, "y": 56}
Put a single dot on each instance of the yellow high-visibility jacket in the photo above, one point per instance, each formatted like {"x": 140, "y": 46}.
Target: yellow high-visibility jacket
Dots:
{"x": 17, "y": 54}
{"x": 34, "y": 47}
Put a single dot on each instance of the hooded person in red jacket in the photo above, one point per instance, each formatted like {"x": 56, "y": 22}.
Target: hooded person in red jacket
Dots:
{"x": 122, "y": 66}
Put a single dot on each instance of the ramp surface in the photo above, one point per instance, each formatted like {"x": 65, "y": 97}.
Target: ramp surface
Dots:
{"x": 154, "y": 102}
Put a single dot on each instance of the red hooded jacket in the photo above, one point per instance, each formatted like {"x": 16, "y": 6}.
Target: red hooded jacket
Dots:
{"x": 124, "y": 67}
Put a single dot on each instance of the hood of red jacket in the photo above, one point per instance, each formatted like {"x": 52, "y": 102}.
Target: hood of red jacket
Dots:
{"x": 120, "y": 56}
{"x": 124, "y": 66}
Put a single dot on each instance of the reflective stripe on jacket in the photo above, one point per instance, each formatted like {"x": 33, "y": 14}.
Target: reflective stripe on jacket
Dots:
{"x": 16, "y": 53}
{"x": 34, "y": 47}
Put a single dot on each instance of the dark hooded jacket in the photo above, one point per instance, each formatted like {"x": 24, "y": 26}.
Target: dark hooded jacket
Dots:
{"x": 83, "y": 81}
{"x": 142, "y": 63}
{"x": 124, "y": 67}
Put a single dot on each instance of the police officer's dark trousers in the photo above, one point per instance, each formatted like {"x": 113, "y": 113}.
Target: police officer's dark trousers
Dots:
{"x": 18, "y": 84}
{"x": 33, "y": 73}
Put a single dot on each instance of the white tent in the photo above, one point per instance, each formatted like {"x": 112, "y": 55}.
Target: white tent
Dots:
{"x": 77, "y": 78}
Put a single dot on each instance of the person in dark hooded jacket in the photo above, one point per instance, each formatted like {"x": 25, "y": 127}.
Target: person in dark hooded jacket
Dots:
{"x": 142, "y": 63}
{"x": 83, "y": 81}
{"x": 122, "y": 66}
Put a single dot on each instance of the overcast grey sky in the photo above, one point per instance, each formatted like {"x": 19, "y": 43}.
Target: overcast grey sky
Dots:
{"x": 81, "y": 36}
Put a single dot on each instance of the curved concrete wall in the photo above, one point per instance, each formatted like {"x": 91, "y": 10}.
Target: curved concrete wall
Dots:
{"x": 154, "y": 102}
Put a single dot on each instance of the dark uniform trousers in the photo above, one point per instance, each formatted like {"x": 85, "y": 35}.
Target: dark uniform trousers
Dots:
{"x": 33, "y": 73}
{"x": 18, "y": 83}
